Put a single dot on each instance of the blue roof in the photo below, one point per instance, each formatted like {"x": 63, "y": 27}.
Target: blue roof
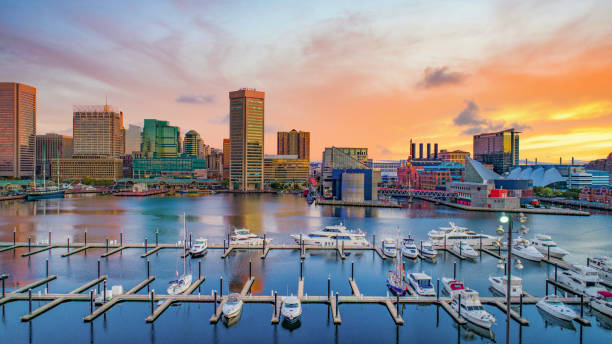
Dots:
{"x": 485, "y": 173}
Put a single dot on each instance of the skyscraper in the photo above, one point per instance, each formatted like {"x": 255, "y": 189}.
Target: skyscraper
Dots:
{"x": 96, "y": 131}
{"x": 159, "y": 140}
{"x": 500, "y": 149}
{"x": 226, "y": 153}
{"x": 133, "y": 139}
{"x": 246, "y": 139}
{"x": 49, "y": 147}
{"x": 17, "y": 129}
{"x": 294, "y": 143}
{"x": 193, "y": 144}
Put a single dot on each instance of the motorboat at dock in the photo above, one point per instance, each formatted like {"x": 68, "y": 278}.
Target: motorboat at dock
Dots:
{"x": 199, "y": 248}
{"x": 421, "y": 283}
{"x": 471, "y": 308}
{"x": 333, "y": 235}
{"x": 451, "y": 286}
{"x": 545, "y": 244}
{"x": 463, "y": 249}
{"x": 499, "y": 284}
{"x": 553, "y": 306}
{"x": 449, "y": 235}
{"x": 389, "y": 248}
{"x": 409, "y": 249}
{"x": 581, "y": 279}
{"x": 243, "y": 237}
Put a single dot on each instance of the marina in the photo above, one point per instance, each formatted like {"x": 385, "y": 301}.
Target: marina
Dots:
{"x": 344, "y": 291}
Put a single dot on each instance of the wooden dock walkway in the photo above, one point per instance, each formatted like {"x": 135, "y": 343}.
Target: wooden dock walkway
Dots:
{"x": 113, "y": 251}
{"x": 335, "y": 312}
{"x": 227, "y": 252}
{"x": 380, "y": 253}
{"x": 217, "y": 315}
{"x": 265, "y": 252}
{"x": 447, "y": 307}
{"x": 77, "y": 250}
{"x": 276, "y": 313}
{"x": 150, "y": 252}
{"x": 393, "y": 312}
{"x": 354, "y": 287}
{"x": 489, "y": 252}
{"x": 140, "y": 285}
{"x": 300, "y": 293}
{"x": 513, "y": 313}
{"x": 34, "y": 284}
{"x": 12, "y": 247}
{"x": 42, "y": 249}
{"x": 247, "y": 287}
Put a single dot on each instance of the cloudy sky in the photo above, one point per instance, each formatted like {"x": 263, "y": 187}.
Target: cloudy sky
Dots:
{"x": 353, "y": 73}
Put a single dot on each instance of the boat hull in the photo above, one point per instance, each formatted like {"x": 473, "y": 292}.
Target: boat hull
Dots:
{"x": 602, "y": 307}
{"x": 198, "y": 253}
{"x": 532, "y": 256}
{"x": 545, "y": 307}
{"x": 45, "y": 195}
{"x": 396, "y": 290}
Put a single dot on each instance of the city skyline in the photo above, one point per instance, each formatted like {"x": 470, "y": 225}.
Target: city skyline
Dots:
{"x": 547, "y": 78}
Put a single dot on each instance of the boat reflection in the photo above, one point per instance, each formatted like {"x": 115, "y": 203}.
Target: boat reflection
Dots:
{"x": 552, "y": 321}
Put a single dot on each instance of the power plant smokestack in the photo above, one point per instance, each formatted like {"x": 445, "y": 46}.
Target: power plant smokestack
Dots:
{"x": 428, "y": 151}
{"x": 420, "y": 151}
{"x": 536, "y": 161}
{"x": 435, "y": 151}
{"x": 560, "y": 161}
{"x": 412, "y": 150}
{"x": 572, "y": 160}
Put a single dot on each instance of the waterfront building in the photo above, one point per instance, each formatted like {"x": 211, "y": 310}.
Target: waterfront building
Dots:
{"x": 96, "y": 131}
{"x": 226, "y": 157}
{"x": 387, "y": 168}
{"x": 159, "y": 140}
{"x": 501, "y": 149}
{"x": 435, "y": 177}
{"x": 483, "y": 195}
{"x": 127, "y": 164}
{"x": 184, "y": 166}
{"x": 601, "y": 164}
{"x": 17, "y": 130}
{"x": 597, "y": 194}
{"x": 475, "y": 172}
{"x": 359, "y": 154}
{"x": 49, "y": 147}
{"x": 95, "y": 168}
{"x": 246, "y": 139}
{"x": 599, "y": 178}
{"x": 429, "y": 156}
{"x": 454, "y": 156}
{"x": 133, "y": 139}
{"x": 194, "y": 145}
{"x": 294, "y": 143}
{"x": 214, "y": 164}
{"x": 338, "y": 158}
{"x": 354, "y": 185}
{"x": 285, "y": 169}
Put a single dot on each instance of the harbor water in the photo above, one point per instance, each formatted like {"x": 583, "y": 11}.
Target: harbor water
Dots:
{"x": 276, "y": 216}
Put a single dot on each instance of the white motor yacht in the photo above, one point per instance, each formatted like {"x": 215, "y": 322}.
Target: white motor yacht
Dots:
{"x": 449, "y": 235}
{"x": 427, "y": 250}
{"x": 421, "y": 283}
{"x": 499, "y": 284}
{"x": 471, "y": 308}
{"x": 244, "y": 237}
{"x": 543, "y": 243}
{"x": 389, "y": 248}
{"x": 553, "y": 306}
{"x": 452, "y": 287}
{"x": 603, "y": 302}
{"x": 581, "y": 279}
{"x": 232, "y": 307}
{"x": 409, "y": 249}
{"x": 463, "y": 249}
{"x": 331, "y": 235}
{"x": 199, "y": 248}
{"x": 523, "y": 249}
{"x": 603, "y": 265}
{"x": 291, "y": 310}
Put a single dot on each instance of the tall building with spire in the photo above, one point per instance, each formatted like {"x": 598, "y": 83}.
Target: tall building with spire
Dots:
{"x": 17, "y": 130}
{"x": 246, "y": 139}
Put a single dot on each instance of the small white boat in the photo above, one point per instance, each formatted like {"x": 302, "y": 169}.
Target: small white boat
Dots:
{"x": 553, "y": 306}
{"x": 389, "y": 248}
{"x": 199, "y": 248}
{"x": 603, "y": 265}
{"x": 409, "y": 249}
{"x": 543, "y": 243}
{"x": 232, "y": 307}
{"x": 581, "y": 279}
{"x": 291, "y": 310}
{"x": 463, "y": 249}
{"x": 427, "y": 250}
{"x": 603, "y": 302}
{"x": 452, "y": 287}
{"x": 522, "y": 249}
{"x": 333, "y": 235}
{"x": 499, "y": 284}
{"x": 243, "y": 237}
{"x": 116, "y": 290}
{"x": 421, "y": 283}
{"x": 471, "y": 308}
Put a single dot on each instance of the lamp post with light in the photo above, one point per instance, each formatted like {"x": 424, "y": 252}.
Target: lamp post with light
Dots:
{"x": 503, "y": 219}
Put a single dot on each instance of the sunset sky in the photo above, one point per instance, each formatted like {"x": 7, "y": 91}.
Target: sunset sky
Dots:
{"x": 353, "y": 73}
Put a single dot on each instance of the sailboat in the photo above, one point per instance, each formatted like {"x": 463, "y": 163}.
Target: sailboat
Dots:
{"x": 46, "y": 192}
{"x": 395, "y": 277}
{"x": 183, "y": 282}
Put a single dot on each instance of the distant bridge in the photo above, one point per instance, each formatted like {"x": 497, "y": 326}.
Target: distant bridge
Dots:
{"x": 435, "y": 194}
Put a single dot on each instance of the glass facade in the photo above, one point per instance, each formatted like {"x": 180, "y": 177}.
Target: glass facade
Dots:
{"x": 184, "y": 166}
{"x": 159, "y": 140}
{"x": 285, "y": 168}
{"x": 500, "y": 149}
{"x": 246, "y": 139}
{"x": 17, "y": 130}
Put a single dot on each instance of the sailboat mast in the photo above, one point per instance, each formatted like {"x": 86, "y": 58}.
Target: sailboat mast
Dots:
{"x": 184, "y": 244}
{"x": 44, "y": 174}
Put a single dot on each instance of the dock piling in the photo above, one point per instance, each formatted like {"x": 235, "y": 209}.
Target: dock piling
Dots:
{"x": 215, "y": 302}
{"x": 30, "y": 300}
{"x": 121, "y": 239}
{"x": 148, "y": 268}
{"x": 275, "y": 302}
{"x": 156, "y": 237}
{"x": 301, "y": 269}
{"x": 548, "y": 254}
{"x": 353, "y": 270}
{"x": 455, "y": 269}
{"x": 47, "y": 268}
{"x": 29, "y": 243}
{"x": 459, "y": 306}
{"x": 588, "y": 261}
{"x": 68, "y": 245}
{"x": 263, "y": 245}
{"x": 91, "y": 301}
{"x": 438, "y": 290}
{"x": 3, "y": 291}
{"x": 250, "y": 269}
{"x": 85, "y": 238}
{"x": 328, "y": 288}
{"x": 396, "y": 304}
{"x": 106, "y": 244}
{"x": 546, "y": 283}
{"x": 221, "y": 286}
{"x": 521, "y": 305}
{"x": 152, "y": 302}
{"x": 98, "y": 285}
{"x": 104, "y": 296}
{"x": 582, "y": 304}
{"x": 145, "y": 245}
{"x": 189, "y": 240}
{"x": 373, "y": 240}
{"x": 336, "y": 304}
{"x": 14, "y": 234}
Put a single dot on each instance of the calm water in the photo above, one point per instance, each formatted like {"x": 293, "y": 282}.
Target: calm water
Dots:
{"x": 276, "y": 216}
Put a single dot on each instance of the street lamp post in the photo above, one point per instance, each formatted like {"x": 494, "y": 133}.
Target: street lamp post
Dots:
{"x": 506, "y": 219}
